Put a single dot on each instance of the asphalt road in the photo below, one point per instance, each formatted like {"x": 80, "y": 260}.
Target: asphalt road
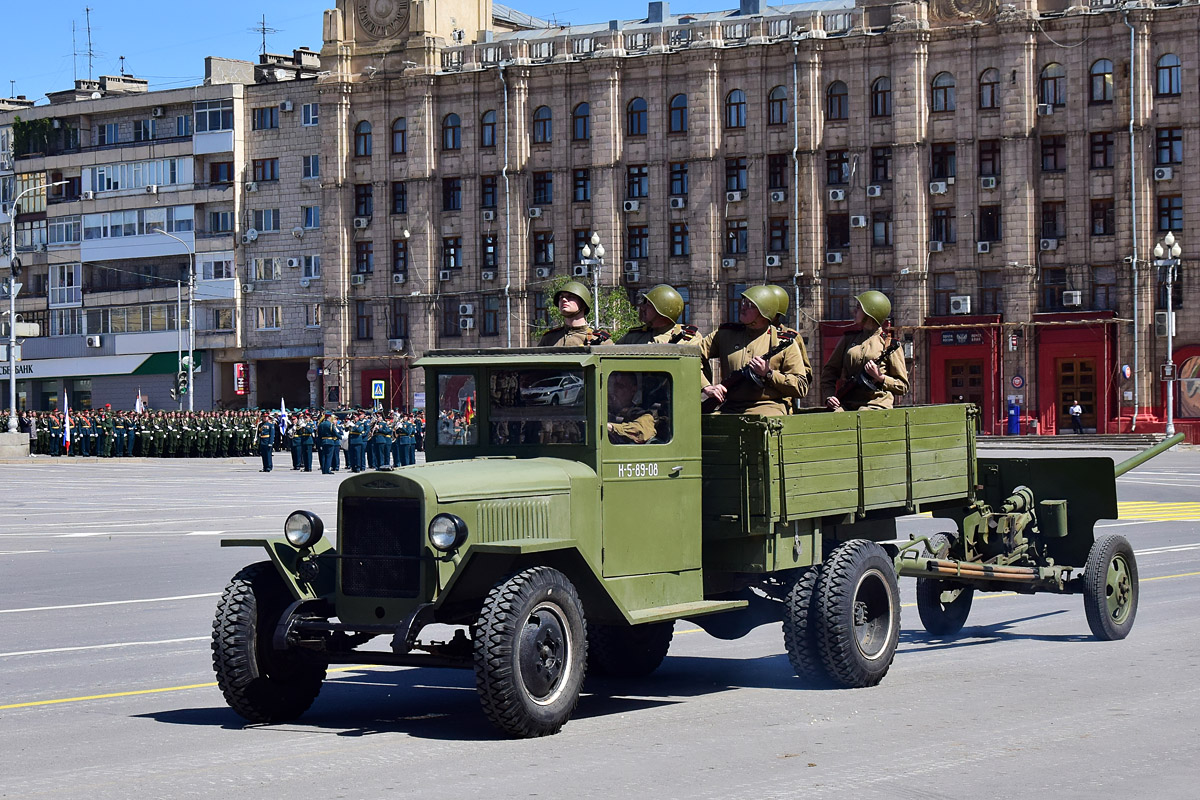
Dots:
{"x": 110, "y": 574}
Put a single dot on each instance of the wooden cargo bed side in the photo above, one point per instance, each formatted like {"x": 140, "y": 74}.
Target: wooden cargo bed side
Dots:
{"x": 941, "y": 453}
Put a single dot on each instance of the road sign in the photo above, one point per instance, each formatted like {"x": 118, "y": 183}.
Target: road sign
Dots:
{"x": 1017, "y": 381}
{"x": 377, "y": 390}
{"x": 1166, "y": 372}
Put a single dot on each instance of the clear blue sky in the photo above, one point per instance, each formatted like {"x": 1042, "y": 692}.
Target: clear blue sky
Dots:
{"x": 165, "y": 42}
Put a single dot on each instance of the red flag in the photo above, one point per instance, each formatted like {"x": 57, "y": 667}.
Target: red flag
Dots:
{"x": 67, "y": 432}
{"x": 469, "y": 412}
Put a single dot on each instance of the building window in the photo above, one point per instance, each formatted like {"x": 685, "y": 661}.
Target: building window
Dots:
{"x": 1052, "y": 85}
{"x": 735, "y": 109}
{"x": 881, "y": 228}
{"x": 945, "y": 285}
{"x": 1050, "y": 289}
{"x": 488, "y": 191}
{"x": 837, "y": 231}
{"x": 266, "y": 220}
{"x": 213, "y": 115}
{"x": 737, "y": 237}
{"x": 220, "y": 221}
{"x": 679, "y": 114}
{"x": 543, "y": 248}
{"x": 777, "y": 110}
{"x": 451, "y": 329}
{"x": 491, "y": 316}
{"x": 1104, "y": 217}
{"x": 989, "y": 158}
{"x": 220, "y": 172}
{"x": 183, "y": 125}
{"x": 989, "y": 88}
{"x": 108, "y": 134}
{"x": 399, "y": 255}
{"x": 364, "y": 200}
{"x": 881, "y": 164}
{"x": 1168, "y": 146}
{"x": 1102, "y": 82}
{"x": 580, "y": 237}
{"x": 839, "y": 300}
{"x": 489, "y": 251}
{"x": 362, "y": 139}
{"x": 942, "y": 225}
{"x": 881, "y": 97}
{"x": 451, "y": 194}
{"x": 635, "y": 117}
{"x": 541, "y": 314}
{"x": 1170, "y": 213}
{"x": 733, "y": 300}
{"x": 736, "y": 177}
{"x": 942, "y": 97}
{"x": 452, "y": 252}
{"x": 268, "y": 318}
{"x": 679, "y": 179}
{"x": 267, "y": 269}
{"x": 487, "y": 129}
{"x": 363, "y": 322}
{"x": 638, "y": 237}
{"x": 543, "y": 188}
{"x": 837, "y": 101}
{"x": 144, "y": 130}
{"x": 399, "y": 136}
{"x": 543, "y": 125}
{"x": 310, "y": 217}
{"x": 312, "y": 315}
{"x": 681, "y": 244}
{"x": 942, "y": 161}
{"x": 837, "y": 167}
{"x": 582, "y": 185}
{"x": 264, "y": 118}
{"x": 637, "y": 181}
{"x": 311, "y": 267}
{"x": 266, "y": 169}
{"x": 451, "y": 132}
{"x": 310, "y": 166}
{"x": 399, "y": 319}
{"x": 310, "y": 114}
{"x": 399, "y": 197}
{"x": 1104, "y": 288}
{"x": 1101, "y": 150}
{"x": 1168, "y": 79}
{"x": 1054, "y": 220}
{"x": 991, "y": 292}
{"x": 777, "y": 235}
{"x": 1054, "y": 153}
{"x": 991, "y": 223}
{"x": 581, "y": 123}
{"x": 364, "y": 257}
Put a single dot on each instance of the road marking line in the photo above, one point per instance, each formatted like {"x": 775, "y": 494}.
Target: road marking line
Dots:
{"x": 99, "y": 647}
{"x": 205, "y": 533}
{"x": 21, "y": 552}
{"x": 110, "y": 603}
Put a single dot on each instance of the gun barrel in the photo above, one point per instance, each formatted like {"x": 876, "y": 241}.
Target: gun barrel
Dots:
{"x": 1146, "y": 455}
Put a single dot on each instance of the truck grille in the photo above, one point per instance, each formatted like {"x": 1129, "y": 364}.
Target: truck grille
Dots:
{"x": 381, "y": 543}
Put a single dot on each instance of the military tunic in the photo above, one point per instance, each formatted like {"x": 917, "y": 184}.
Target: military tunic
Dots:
{"x": 849, "y": 358}
{"x": 736, "y": 345}
{"x": 643, "y": 334}
{"x": 631, "y": 425}
{"x": 566, "y": 336}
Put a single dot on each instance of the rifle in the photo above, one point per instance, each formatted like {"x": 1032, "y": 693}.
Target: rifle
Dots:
{"x": 862, "y": 380}
{"x": 735, "y": 379}
{"x": 599, "y": 337}
{"x": 685, "y": 333}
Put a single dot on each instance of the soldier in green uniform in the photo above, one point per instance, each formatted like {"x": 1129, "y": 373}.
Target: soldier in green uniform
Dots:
{"x": 658, "y": 309}
{"x": 627, "y": 422}
{"x": 574, "y": 301}
{"x": 772, "y": 383}
{"x": 854, "y": 361}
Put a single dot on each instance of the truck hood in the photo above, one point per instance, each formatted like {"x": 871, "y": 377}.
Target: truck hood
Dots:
{"x": 482, "y": 478}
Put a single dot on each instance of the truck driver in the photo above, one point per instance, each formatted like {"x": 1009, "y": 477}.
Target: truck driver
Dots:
{"x": 864, "y": 370}
{"x": 627, "y": 423}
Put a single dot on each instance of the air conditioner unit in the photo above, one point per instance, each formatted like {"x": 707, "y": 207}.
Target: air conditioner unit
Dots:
{"x": 466, "y": 309}
{"x": 983, "y": 247}
{"x": 633, "y": 275}
{"x": 396, "y": 345}
{"x": 541, "y": 272}
{"x": 249, "y": 236}
{"x": 579, "y": 271}
{"x": 960, "y": 304}
{"x": 358, "y": 280}
{"x": 733, "y": 197}
{"x": 39, "y": 248}
{"x": 1044, "y": 109}
{"x": 488, "y": 275}
{"x": 728, "y": 263}
{"x": 489, "y": 215}
{"x": 293, "y": 262}
{"x": 304, "y": 283}
{"x": 874, "y": 190}
{"x": 399, "y": 277}
{"x": 535, "y": 213}
{"x": 858, "y": 222}
{"x": 152, "y": 189}
{"x": 247, "y": 288}
{"x": 361, "y": 222}
{"x": 466, "y": 323}
{"x": 833, "y": 258}
{"x": 1048, "y": 244}
{"x": 251, "y": 186}
{"x": 445, "y": 274}
{"x": 936, "y": 247}
{"x": 631, "y": 206}
{"x": 938, "y": 187}
{"x": 633, "y": 265}
{"x": 774, "y": 261}
{"x": 987, "y": 182}
{"x": 93, "y": 341}
{"x": 678, "y": 202}
{"x": 1073, "y": 298}
{"x": 286, "y": 105}
{"x": 1161, "y": 320}
{"x": 837, "y": 195}
{"x": 89, "y": 195}
{"x": 1163, "y": 173}
{"x": 157, "y": 111}
{"x": 778, "y": 197}
{"x": 5, "y": 163}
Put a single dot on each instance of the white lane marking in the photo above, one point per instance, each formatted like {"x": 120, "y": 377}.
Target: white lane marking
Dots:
{"x": 205, "y": 533}
{"x": 21, "y": 552}
{"x": 1130, "y": 522}
{"x": 110, "y": 603}
{"x": 1175, "y": 548}
{"x": 101, "y": 646}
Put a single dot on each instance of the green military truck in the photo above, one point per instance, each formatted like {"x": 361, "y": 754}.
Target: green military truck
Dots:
{"x": 575, "y": 504}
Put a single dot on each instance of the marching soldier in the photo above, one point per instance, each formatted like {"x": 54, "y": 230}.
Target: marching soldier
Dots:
{"x": 381, "y": 442}
{"x": 327, "y": 442}
{"x": 266, "y": 440}
{"x": 406, "y": 441}
{"x": 659, "y": 308}
{"x": 574, "y": 301}
{"x": 305, "y": 433}
{"x": 855, "y": 361}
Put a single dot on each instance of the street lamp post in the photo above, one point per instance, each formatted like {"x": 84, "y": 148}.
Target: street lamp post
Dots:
{"x": 1167, "y": 260}
{"x": 593, "y": 256}
{"x": 14, "y": 268}
{"x": 191, "y": 363}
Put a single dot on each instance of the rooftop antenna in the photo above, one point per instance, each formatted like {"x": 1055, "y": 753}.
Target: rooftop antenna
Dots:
{"x": 74, "y": 55}
{"x": 122, "y": 58}
{"x": 12, "y": 88}
{"x": 261, "y": 28}
{"x": 90, "y": 53}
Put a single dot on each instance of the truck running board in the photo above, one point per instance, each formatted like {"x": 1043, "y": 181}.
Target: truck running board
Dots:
{"x": 681, "y": 610}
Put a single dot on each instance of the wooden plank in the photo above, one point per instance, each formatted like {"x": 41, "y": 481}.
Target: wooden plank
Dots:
{"x": 820, "y": 453}
{"x": 876, "y": 449}
{"x": 921, "y": 458}
{"x": 950, "y": 487}
{"x": 811, "y": 469}
{"x": 885, "y": 496}
{"x": 822, "y": 483}
{"x": 799, "y": 424}
{"x": 958, "y": 442}
{"x": 936, "y": 429}
{"x": 885, "y": 477}
{"x": 802, "y": 441}
{"x": 891, "y": 434}
{"x": 920, "y": 415}
{"x": 821, "y": 504}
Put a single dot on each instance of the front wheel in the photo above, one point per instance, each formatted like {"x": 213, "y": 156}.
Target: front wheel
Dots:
{"x": 858, "y": 600}
{"x": 943, "y": 605}
{"x": 1110, "y": 588}
{"x": 531, "y": 653}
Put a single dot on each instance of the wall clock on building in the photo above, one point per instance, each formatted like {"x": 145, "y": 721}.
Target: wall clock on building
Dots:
{"x": 382, "y": 19}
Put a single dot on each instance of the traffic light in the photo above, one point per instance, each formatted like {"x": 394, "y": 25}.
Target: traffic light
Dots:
{"x": 181, "y": 382}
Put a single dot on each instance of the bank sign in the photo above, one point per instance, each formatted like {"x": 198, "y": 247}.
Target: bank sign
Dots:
{"x": 92, "y": 366}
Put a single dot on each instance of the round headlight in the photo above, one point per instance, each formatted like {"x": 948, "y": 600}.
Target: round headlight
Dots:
{"x": 303, "y": 528}
{"x": 447, "y": 532}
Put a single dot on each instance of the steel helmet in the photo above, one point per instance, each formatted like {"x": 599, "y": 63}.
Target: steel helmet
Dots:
{"x": 875, "y": 305}
{"x": 579, "y": 290}
{"x": 781, "y": 300}
{"x": 666, "y": 301}
{"x": 764, "y": 300}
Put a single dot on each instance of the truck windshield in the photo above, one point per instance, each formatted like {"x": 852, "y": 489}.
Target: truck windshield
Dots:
{"x": 456, "y": 399}
{"x": 537, "y": 406}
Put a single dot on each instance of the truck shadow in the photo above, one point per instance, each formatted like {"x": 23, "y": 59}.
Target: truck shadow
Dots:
{"x": 976, "y": 635}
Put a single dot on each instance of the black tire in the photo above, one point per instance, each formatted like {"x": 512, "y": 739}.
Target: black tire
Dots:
{"x": 531, "y": 653}
{"x": 940, "y": 614}
{"x": 628, "y": 651}
{"x": 260, "y": 683}
{"x": 800, "y": 623}
{"x": 858, "y": 602}
{"x": 1110, "y": 588}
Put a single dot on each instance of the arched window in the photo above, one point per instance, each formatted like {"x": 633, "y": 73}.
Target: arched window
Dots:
{"x": 543, "y": 125}
{"x": 362, "y": 139}
{"x": 679, "y": 120}
{"x": 635, "y": 117}
{"x": 1188, "y": 385}
{"x": 581, "y": 123}
{"x": 1052, "y": 85}
{"x": 837, "y": 101}
{"x": 777, "y": 106}
{"x": 942, "y": 97}
{"x": 881, "y": 97}
{"x": 451, "y": 132}
{"x": 487, "y": 129}
{"x": 989, "y": 88}
{"x": 735, "y": 109}
{"x": 399, "y": 136}
{"x": 1102, "y": 82}
{"x": 1167, "y": 76}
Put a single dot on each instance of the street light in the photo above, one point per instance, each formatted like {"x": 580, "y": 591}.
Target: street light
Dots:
{"x": 14, "y": 268}
{"x": 1169, "y": 267}
{"x": 191, "y": 362}
{"x": 597, "y": 263}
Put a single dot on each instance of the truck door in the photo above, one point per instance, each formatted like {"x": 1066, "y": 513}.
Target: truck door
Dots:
{"x": 650, "y": 470}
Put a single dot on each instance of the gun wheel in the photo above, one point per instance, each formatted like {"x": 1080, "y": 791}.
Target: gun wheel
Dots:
{"x": 858, "y": 601}
{"x": 800, "y": 619}
{"x": 628, "y": 651}
{"x": 1110, "y": 588}
{"x": 260, "y": 683}
{"x": 943, "y": 606}
{"x": 531, "y": 653}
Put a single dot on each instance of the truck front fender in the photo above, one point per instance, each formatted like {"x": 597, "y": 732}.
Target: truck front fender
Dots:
{"x": 307, "y": 574}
